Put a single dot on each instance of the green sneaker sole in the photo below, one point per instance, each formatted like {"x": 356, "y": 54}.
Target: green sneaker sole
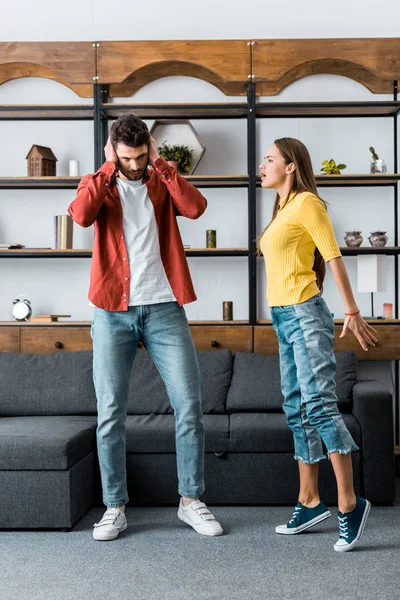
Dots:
{"x": 285, "y": 530}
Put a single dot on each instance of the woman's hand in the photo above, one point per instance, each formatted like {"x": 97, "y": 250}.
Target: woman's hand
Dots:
{"x": 361, "y": 329}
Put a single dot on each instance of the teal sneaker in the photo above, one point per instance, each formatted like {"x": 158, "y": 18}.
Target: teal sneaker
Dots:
{"x": 351, "y": 525}
{"x": 303, "y": 518}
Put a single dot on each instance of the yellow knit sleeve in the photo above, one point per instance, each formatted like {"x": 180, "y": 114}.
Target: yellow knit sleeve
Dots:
{"x": 313, "y": 218}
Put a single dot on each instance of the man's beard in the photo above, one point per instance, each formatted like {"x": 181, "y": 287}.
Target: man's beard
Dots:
{"x": 131, "y": 175}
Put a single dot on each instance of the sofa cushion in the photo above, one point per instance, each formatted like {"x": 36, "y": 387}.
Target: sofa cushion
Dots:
{"x": 45, "y": 443}
{"x": 268, "y": 432}
{"x": 156, "y": 433}
{"x": 346, "y": 376}
{"x": 147, "y": 393}
{"x": 256, "y": 382}
{"x": 47, "y": 384}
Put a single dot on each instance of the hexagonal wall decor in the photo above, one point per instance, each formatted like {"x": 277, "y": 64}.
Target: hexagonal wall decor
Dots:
{"x": 179, "y": 131}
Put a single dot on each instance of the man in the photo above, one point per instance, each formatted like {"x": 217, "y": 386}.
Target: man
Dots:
{"x": 138, "y": 285}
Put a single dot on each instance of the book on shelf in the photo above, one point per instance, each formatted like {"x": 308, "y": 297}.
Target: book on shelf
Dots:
{"x": 11, "y": 246}
{"x": 63, "y": 232}
{"x": 46, "y": 318}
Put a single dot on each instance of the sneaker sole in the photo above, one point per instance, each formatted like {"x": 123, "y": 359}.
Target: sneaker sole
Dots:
{"x": 198, "y": 528}
{"x": 110, "y": 536}
{"x": 360, "y": 531}
{"x": 294, "y": 530}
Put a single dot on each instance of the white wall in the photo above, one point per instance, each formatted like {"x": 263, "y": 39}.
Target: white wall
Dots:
{"x": 45, "y": 20}
{"x": 26, "y": 216}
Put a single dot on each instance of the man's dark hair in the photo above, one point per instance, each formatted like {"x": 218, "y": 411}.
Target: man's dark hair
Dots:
{"x": 129, "y": 130}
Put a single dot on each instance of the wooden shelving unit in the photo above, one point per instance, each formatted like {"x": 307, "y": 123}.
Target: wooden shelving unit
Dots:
{"x": 87, "y": 253}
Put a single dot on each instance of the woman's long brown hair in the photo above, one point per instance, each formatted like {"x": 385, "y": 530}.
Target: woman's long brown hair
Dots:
{"x": 294, "y": 151}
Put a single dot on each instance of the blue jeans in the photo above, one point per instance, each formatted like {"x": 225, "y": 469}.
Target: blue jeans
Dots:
{"x": 305, "y": 334}
{"x": 164, "y": 330}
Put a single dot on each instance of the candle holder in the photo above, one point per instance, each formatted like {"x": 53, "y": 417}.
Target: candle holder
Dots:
{"x": 211, "y": 238}
{"x": 227, "y": 311}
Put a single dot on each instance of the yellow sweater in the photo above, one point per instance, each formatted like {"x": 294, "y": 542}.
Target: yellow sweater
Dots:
{"x": 288, "y": 246}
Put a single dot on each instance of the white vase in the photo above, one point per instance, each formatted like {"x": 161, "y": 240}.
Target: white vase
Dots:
{"x": 73, "y": 168}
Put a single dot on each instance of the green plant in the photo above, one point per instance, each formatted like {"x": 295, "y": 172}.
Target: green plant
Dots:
{"x": 182, "y": 154}
{"x": 375, "y": 157}
{"x": 331, "y": 168}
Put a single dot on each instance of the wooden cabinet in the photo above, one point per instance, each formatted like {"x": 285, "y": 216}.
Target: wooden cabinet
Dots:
{"x": 9, "y": 339}
{"x": 43, "y": 339}
{"x": 46, "y": 340}
{"x": 220, "y": 337}
{"x": 387, "y": 348}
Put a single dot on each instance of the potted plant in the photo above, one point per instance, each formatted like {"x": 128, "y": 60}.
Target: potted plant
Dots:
{"x": 180, "y": 156}
{"x": 331, "y": 168}
{"x": 378, "y": 165}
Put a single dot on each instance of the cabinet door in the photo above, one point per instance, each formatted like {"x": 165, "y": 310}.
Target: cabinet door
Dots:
{"x": 45, "y": 340}
{"x": 220, "y": 337}
{"x": 9, "y": 339}
{"x": 265, "y": 341}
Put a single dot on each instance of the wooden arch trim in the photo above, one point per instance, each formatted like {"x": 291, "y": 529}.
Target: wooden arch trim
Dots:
{"x": 375, "y": 63}
{"x": 71, "y": 64}
{"x": 128, "y": 66}
{"x": 20, "y": 70}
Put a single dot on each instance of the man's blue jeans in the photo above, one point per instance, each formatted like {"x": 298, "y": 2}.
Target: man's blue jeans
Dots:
{"x": 305, "y": 334}
{"x": 164, "y": 330}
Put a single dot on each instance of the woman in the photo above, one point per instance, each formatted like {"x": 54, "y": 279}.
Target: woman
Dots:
{"x": 296, "y": 245}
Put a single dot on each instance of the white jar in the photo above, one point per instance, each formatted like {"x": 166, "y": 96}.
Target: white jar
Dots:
{"x": 73, "y": 168}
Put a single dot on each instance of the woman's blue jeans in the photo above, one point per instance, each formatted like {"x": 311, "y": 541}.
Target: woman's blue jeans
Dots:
{"x": 165, "y": 332}
{"x": 305, "y": 334}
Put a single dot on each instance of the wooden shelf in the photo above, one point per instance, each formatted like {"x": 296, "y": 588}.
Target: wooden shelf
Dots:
{"x": 205, "y": 181}
{"x": 47, "y": 112}
{"x": 362, "y": 250}
{"x": 229, "y": 110}
{"x": 190, "y": 252}
{"x": 385, "y": 322}
{"x": 361, "y": 180}
{"x": 327, "y": 109}
{"x": 215, "y": 181}
{"x": 87, "y": 253}
{"x": 353, "y": 180}
{"x": 75, "y": 324}
{"x": 65, "y": 323}
{"x": 65, "y": 182}
{"x": 216, "y": 110}
{"x": 58, "y": 182}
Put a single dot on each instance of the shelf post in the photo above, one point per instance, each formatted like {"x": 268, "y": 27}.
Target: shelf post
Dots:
{"x": 100, "y": 124}
{"x": 396, "y": 266}
{"x": 252, "y": 213}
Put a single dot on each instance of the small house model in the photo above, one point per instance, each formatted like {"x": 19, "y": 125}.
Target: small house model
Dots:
{"x": 41, "y": 162}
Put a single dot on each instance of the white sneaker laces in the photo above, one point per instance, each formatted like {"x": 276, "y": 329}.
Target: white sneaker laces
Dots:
{"x": 296, "y": 512}
{"x": 343, "y": 527}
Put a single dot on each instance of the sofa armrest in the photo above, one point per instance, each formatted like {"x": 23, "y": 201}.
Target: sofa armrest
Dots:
{"x": 373, "y": 409}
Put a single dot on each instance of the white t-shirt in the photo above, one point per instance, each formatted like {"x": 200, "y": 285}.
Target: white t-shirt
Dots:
{"x": 149, "y": 283}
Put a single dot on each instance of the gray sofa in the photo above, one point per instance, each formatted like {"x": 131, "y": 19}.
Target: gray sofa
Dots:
{"x": 48, "y": 467}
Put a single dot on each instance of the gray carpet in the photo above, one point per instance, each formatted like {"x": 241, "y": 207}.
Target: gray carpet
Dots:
{"x": 161, "y": 558}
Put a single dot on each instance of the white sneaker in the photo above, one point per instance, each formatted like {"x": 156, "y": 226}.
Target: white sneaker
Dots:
{"x": 197, "y": 515}
{"x": 110, "y": 526}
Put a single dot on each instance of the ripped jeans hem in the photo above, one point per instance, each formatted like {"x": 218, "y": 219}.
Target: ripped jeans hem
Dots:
{"x": 343, "y": 452}
{"x": 312, "y": 461}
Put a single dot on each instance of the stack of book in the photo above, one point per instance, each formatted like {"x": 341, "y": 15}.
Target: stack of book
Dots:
{"x": 46, "y": 318}
{"x": 63, "y": 230}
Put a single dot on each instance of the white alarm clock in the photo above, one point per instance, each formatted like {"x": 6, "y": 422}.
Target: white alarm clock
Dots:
{"x": 22, "y": 309}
